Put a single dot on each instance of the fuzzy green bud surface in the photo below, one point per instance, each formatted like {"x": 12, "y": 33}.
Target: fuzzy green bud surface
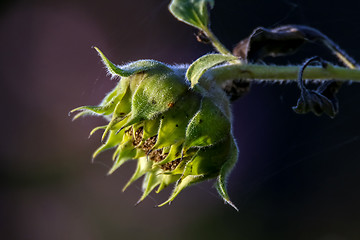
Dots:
{"x": 178, "y": 131}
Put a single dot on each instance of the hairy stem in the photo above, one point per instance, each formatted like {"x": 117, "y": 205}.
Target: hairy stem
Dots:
{"x": 216, "y": 43}
{"x": 250, "y": 72}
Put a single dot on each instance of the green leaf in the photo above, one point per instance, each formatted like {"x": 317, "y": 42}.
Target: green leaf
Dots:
{"x": 192, "y": 12}
{"x": 201, "y": 65}
{"x": 131, "y": 68}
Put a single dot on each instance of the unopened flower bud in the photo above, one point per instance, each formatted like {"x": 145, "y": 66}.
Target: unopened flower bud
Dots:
{"x": 177, "y": 133}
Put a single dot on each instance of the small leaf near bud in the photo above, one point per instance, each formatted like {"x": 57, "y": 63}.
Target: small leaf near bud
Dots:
{"x": 201, "y": 65}
{"x": 192, "y": 12}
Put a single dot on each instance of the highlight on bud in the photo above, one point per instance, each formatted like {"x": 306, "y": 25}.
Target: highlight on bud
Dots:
{"x": 178, "y": 131}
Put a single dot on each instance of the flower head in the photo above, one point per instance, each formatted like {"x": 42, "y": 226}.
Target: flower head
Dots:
{"x": 177, "y": 133}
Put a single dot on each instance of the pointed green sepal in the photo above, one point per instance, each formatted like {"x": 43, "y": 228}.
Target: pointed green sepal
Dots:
{"x": 107, "y": 106}
{"x": 131, "y": 68}
{"x": 166, "y": 180}
{"x": 111, "y": 142}
{"x": 123, "y": 153}
{"x": 175, "y": 153}
{"x": 185, "y": 182}
{"x": 143, "y": 166}
{"x": 151, "y": 128}
{"x": 151, "y": 180}
{"x": 96, "y": 129}
{"x": 111, "y": 126}
{"x": 225, "y": 171}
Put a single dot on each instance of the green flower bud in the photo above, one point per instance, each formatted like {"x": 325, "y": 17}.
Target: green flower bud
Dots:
{"x": 176, "y": 132}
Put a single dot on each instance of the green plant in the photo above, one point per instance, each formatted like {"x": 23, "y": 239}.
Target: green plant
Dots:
{"x": 176, "y": 120}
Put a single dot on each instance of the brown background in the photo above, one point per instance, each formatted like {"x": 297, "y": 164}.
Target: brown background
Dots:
{"x": 297, "y": 176}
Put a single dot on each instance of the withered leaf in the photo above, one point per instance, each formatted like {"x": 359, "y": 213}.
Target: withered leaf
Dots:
{"x": 319, "y": 101}
{"x": 313, "y": 101}
{"x": 262, "y": 42}
{"x": 329, "y": 90}
{"x": 284, "y": 40}
{"x": 275, "y": 42}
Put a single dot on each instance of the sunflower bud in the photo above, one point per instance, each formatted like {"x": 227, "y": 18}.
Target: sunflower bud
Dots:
{"x": 176, "y": 132}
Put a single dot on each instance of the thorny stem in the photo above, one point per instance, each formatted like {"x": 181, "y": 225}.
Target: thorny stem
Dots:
{"x": 260, "y": 72}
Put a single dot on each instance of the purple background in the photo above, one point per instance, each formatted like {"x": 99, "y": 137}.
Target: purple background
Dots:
{"x": 297, "y": 176}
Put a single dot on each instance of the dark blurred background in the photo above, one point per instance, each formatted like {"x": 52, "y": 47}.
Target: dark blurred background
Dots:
{"x": 297, "y": 176}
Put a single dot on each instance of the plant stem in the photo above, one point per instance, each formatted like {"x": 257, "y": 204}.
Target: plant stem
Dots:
{"x": 216, "y": 43}
{"x": 281, "y": 73}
